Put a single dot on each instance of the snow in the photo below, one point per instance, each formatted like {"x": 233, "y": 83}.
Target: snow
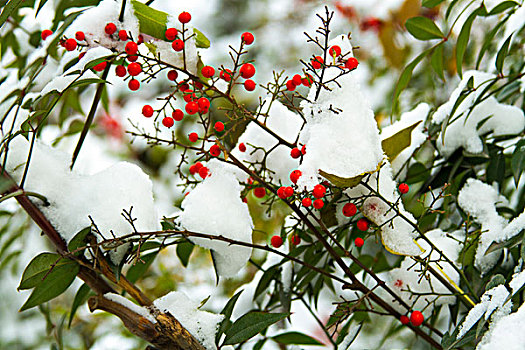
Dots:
{"x": 491, "y": 300}
{"x": 507, "y": 333}
{"x": 479, "y": 200}
{"x": 418, "y": 136}
{"x": 62, "y": 82}
{"x": 143, "y": 312}
{"x": 93, "y": 21}
{"x": 463, "y": 129}
{"x": 346, "y": 143}
{"x": 201, "y": 324}
{"x": 407, "y": 278}
{"x": 517, "y": 282}
{"x": 215, "y": 207}
{"x": 515, "y": 22}
{"x": 74, "y": 195}
{"x": 284, "y": 123}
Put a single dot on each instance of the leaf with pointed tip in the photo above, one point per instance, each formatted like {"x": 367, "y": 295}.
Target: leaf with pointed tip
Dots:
{"x": 396, "y": 143}
{"x": 251, "y": 324}
{"x": 39, "y": 267}
{"x": 295, "y": 338}
{"x": 423, "y": 28}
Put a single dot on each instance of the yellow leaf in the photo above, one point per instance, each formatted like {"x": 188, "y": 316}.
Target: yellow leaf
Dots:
{"x": 396, "y": 143}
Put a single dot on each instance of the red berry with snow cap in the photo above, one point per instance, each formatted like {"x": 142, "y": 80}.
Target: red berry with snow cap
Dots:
{"x": 276, "y": 241}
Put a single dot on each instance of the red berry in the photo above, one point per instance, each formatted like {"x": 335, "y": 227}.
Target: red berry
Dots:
{"x": 290, "y": 85}
{"x": 247, "y": 70}
{"x": 171, "y": 34}
{"x": 168, "y": 122}
{"x": 140, "y": 39}
{"x": 46, "y": 33}
{"x": 183, "y": 87}
{"x": 120, "y": 70}
{"x": 296, "y": 240}
{"x": 192, "y": 108}
{"x": 362, "y": 224}
{"x": 404, "y": 319}
{"x": 349, "y": 209}
{"x": 203, "y": 172}
{"x": 335, "y": 51}
{"x": 277, "y": 241}
{"x": 288, "y": 191}
{"x": 306, "y": 202}
{"x": 318, "y": 203}
{"x": 131, "y": 48}
{"x": 226, "y": 74}
{"x": 215, "y": 150}
{"x": 122, "y": 35}
{"x": 132, "y": 58}
{"x": 184, "y": 17}
{"x": 177, "y": 45}
{"x": 371, "y": 23}
{"x": 416, "y": 318}
{"x": 177, "y": 114}
{"x": 134, "y": 69}
{"x": 172, "y": 75}
{"x": 219, "y": 126}
{"x": 193, "y": 170}
{"x": 297, "y": 80}
{"x": 203, "y": 103}
{"x": 147, "y": 111}
{"x": 80, "y": 36}
{"x": 280, "y": 193}
{"x": 295, "y": 175}
{"x": 403, "y": 188}
{"x": 189, "y": 97}
{"x": 249, "y": 85}
{"x": 193, "y": 137}
{"x": 134, "y": 84}
{"x": 295, "y": 153}
{"x": 352, "y": 63}
{"x": 248, "y": 38}
{"x": 70, "y": 44}
{"x": 307, "y": 81}
{"x": 319, "y": 191}
{"x": 100, "y": 67}
{"x": 198, "y": 85}
{"x": 303, "y": 149}
{"x": 317, "y": 62}
{"x": 110, "y": 28}
{"x": 359, "y": 242}
{"x": 207, "y": 71}
{"x": 198, "y": 166}
{"x": 259, "y": 192}
{"x": 242, "y": 147}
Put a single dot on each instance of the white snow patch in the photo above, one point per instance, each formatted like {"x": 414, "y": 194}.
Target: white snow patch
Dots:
{"x": 62, "y": 82}
{"x": 463, "y": 129}
{"x": 201, "y": 324}
{"x": 73, "y": 195}
{"x": 215, "y": 207}
{"x": 131, "y": 306}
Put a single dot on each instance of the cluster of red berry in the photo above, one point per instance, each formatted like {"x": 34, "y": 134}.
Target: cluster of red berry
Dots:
{"x": 416, "y": 318}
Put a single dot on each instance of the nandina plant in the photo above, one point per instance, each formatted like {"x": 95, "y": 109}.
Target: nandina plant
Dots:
{"x": 325, "y": 224}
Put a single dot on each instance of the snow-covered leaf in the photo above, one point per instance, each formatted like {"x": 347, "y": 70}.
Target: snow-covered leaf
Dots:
{"x": 396, "y": 143}
{"x": 151, "y": 21}
{"x": 200, "y": 39}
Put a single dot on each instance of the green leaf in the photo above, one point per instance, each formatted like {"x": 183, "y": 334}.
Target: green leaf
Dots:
{"x": 151, "y": 21}
{"x": 396, "y": 143}
{"x": 463, "y": 37}
{"x": 510, "y": 243}
{"x": 8, "y": 9}
{"x": 502, "y": 7}
{"x": 39, "y": 267}
{"x": 495, "y": 281}
{"x": 496, "y": 166}
{"x": 488, "y": 41}
{"x": 517, "y": 162}
{"x": 295, "y": 338}
{"x": 227, "y": 312}
{"x": 250, "y": 325}
{"x": 423, "y": 28}
{"x": 265, "y": 280}
{"x": 436, "y": 61}
{"x": 139, "y": 269}
{"x": 81, "y": 297}
{"x": 417, "y": 172}
{"x": 184, "y": 250}
{"x": 431, "y": 3}
{"x": 404, "y": 78}
{"x": 341, "y": 181}
{"x": 86, "y": 81}
{"x": 79, "y": 240}
{"x": 56, "y": 282}
{"x": 200, "y": 39}
{"x": 502, "y": 54}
